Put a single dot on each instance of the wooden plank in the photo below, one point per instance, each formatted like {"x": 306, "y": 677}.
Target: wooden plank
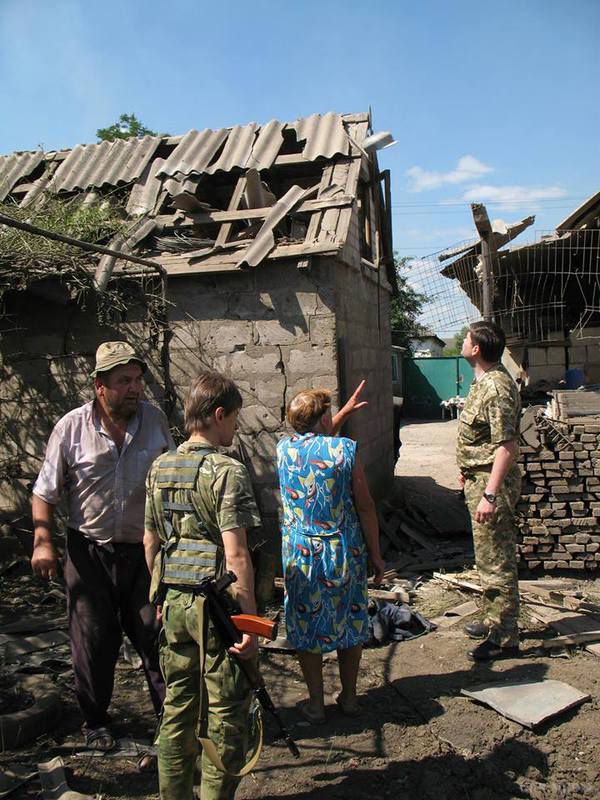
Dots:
{"x": 234, "y": 203}
{"x": 327, "y": 231}
{"x": 389, "y": 527}
{"x": 568, "y": 622}
{"x": 417, "y": 537}
{"x": 571, "y": 639}
{"x": 234, "y": 215}
{"x": 460, "y": 584}
{"x": 455, "y": 614}
{"x": 314, "y": 224}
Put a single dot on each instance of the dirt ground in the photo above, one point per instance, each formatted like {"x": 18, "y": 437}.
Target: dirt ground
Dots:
{"x": 418, "y": 738}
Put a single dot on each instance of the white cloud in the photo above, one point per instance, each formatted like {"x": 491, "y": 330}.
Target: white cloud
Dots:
{"x": 511, "y": 197}
{"x": 468, "y": 168}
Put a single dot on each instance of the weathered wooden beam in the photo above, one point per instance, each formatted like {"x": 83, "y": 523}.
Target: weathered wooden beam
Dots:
{"x": 254, "y": 213}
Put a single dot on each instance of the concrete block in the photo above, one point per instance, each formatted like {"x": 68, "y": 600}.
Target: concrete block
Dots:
{"x": 556, "y": 356}
{"x": 310, "y": 359}
{"x": 258, "y": 418}
{"x": 273, "y": 332}
{"x": 322, "y": 329}
{"x": 226, "y": 336}
{"x": 251, "y": 364}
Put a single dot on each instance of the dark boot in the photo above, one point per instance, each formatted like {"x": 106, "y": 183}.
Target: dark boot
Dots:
{"x": 490, "y": 651}
{"x": 476, "y": 630}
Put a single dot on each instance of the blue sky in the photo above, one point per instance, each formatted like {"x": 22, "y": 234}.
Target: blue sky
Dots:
{"x": 492, "y": 103}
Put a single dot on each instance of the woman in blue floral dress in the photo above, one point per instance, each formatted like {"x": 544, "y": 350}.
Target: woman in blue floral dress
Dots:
{"x": 329, "y": 531}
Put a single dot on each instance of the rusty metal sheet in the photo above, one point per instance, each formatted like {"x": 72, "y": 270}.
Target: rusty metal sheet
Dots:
{"x": 16, "y": 166}
{"x": 107, "y": 163}
{"x": 194, "y": 152}
{"x": 325, "y": 136}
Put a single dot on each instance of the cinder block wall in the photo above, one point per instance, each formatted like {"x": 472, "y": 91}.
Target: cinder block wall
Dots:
{"x": 47, "y": 352}
{"x": 275, "y": 330}
{"x": 364, "y": 342}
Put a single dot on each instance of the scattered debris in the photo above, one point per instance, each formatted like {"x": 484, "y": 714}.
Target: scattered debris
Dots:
{"x": 13, "y": 777}
{"x": 22, "y": 726}
{"x": 54, "y": 781}
{"x": 126, "y": 747}
{"x": 528, "y": 703}
{"x": 453, "y": 615}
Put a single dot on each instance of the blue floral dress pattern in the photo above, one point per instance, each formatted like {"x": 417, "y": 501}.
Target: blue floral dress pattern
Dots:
{"x": 323, "y": 549}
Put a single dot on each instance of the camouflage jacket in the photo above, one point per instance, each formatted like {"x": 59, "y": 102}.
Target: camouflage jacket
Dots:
{"x": 223, "y": 496}
{"x": 491, "y": 415}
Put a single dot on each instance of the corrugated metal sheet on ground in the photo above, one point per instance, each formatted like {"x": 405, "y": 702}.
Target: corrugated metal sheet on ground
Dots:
{"x": 110, "y": 163}
{"x": 16, "y": 166}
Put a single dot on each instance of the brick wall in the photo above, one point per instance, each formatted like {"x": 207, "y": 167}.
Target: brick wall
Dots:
{"x": 560, "y": 504}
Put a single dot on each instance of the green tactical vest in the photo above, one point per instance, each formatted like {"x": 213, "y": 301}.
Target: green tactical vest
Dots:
{"x": 189, "y": 555}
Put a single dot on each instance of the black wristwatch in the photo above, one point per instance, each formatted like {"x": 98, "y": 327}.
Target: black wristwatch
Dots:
{"x": 491, "y": 498}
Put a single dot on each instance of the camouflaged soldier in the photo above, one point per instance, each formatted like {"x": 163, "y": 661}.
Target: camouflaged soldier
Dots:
{"x": 199, "y": 506}
{"x": 487, "y": 447}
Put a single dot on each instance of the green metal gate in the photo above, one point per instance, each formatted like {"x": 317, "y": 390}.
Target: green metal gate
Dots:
{"x": 428, "y": 381}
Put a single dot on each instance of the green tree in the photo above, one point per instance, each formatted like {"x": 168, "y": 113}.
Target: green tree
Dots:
{"x": 454, "y": 349}
{"x": 406, "y": 308}
{"x": 128, "y": 127}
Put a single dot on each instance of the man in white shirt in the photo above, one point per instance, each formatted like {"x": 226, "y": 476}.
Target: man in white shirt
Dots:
{"x": 99, "y": 455}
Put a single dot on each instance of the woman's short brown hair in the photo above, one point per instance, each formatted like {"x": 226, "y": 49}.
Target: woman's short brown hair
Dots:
{"x": 209, "y": 391}
{"x": 306, "y": 409}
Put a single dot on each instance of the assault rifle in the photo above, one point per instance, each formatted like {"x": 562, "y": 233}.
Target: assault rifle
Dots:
{"x": 230, "y": 625}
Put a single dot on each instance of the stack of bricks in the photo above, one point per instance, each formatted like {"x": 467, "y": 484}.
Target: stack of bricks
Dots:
{"x": 559, "y": 509}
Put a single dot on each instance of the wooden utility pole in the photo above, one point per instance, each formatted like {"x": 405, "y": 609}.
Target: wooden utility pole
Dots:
{"x": 488, "y": 251}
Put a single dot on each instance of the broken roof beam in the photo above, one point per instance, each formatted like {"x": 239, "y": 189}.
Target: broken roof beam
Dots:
{"x": 257, "y": 213}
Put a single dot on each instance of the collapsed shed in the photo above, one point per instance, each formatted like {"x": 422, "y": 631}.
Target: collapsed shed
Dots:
{"x": 275, "y": 266}
{"x": 546, "y": 297}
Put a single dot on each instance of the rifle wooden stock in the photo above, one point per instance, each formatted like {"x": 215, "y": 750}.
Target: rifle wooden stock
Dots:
{"x": 249, "y": 623}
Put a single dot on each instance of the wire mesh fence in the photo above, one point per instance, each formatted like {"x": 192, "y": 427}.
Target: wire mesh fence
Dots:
{"x": 540, "y": 290}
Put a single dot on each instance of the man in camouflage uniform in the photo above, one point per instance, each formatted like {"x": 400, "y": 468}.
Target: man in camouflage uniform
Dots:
{"x": 199, "y": 506}
{"x": 486, "y": 449}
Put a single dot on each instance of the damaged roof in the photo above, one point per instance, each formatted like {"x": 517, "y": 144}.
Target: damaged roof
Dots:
{"x": 216, "y": 200}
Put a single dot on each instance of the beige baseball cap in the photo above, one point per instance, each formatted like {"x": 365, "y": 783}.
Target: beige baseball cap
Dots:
{"x": 112, "y": 354}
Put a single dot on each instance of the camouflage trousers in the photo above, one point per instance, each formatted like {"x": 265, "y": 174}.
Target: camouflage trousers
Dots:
{"x": 495, "y": 545}
{"x": 207, "y": 695}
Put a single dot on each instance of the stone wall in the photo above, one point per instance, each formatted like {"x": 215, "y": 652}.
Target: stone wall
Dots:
{"x": 560, "y": 504}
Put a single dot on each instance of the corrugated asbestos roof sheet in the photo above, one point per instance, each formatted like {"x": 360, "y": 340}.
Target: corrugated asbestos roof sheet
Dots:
{"x": 254, "y": 146}
{"x": 196, "y": 153}
{"x": 16, "y": 166}
{"x": 325, "y": 136}
{"x": 109, "y": 163}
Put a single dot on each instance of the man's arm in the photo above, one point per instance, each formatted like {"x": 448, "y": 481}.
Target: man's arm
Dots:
{"x": 237, "y": 559}
{"x": 367, "y": 515}
{"x": 503, "y": 460}
{"x": 151, "y": 548}
{"x": 43, "y": 559}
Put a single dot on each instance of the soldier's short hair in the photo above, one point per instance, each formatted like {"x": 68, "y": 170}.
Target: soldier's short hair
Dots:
{"x": 209, "y": 391}
{"x": 490, "y": 338}
{"x": 306, "y": 409}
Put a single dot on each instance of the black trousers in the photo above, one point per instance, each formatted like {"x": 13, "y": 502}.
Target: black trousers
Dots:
{"x": 107, "y": 593}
